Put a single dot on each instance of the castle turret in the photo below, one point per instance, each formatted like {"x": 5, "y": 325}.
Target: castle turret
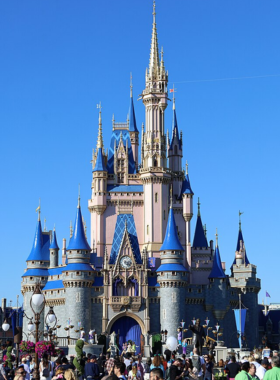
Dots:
{"x": 38, "y": 263}
{"x": 98, "y": 203}
{"x": 187, "y": 196}
{"x": 78, "y": 277}
{"x": 133, "y": 131}
{"x": 175, "y": 150}
{"x": 172, "y": 278}
{"x": 244, "y": 278}
{"x": 54, "y": 251}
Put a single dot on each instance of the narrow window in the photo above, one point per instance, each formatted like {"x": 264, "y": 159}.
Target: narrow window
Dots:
{"x": 163, "y": 214}
{"x": 164, "y": 314}
{"x": 156, "y": 197}
{"x": 148, "y": 229}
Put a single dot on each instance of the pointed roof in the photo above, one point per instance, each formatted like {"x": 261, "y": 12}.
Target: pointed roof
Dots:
{"x": 99, "y": 163}
{"x": 37, "y": 248}
{"x": 175, "y": 131}
{"x": 240, "y": 238}
{"x": 154, "y": 55}
{"x": 171, "y": 241}
{"x": 78, "y": 240}
{"x": 199, "y": 239}
{"x": 217, "y": 269}
{"x": 54, "y": 244}
{"x": 125, "y": 222}
{"x": 132, "y": 118}
{"x": 186, "y": 186}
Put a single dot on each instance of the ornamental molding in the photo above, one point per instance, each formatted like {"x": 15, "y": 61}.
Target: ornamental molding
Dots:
{"x": 55, "y": 302}
{"x": 194, "y": 301}
{"x": 77, "y": 284}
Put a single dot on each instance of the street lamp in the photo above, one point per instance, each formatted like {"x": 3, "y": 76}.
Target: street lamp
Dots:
{"x": 37, "y": 299}
{"x": 51, "y": 318}
{"x": 5, "y": 325}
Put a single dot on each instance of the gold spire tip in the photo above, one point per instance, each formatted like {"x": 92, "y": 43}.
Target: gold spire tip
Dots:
{"x": 45, "y": 227}
{"x": 240, "y": 213}
{"x": 216, "y": 237}
{"x": 79, "y": 197}
{"x": 187, "y": 167}
{"x": 38, "y": 209}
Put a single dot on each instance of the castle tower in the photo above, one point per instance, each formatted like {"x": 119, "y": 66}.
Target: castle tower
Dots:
{"x": 155, "y": 98}
{"x": 244, "y": 278}
{"x": 38, "y": 263}
{"x": 175, "y": 149}
{"x": 187, "y": 196}
{"x": 98, "y": 204}
{"x": 154, "y": 176}
{"x": 133, "y": 131}
{"x": 172, "y": 279}
{"x": 54, "y": 251}
{"x": 78, "y": 277}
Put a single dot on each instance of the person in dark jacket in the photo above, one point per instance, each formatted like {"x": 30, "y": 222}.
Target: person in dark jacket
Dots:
{"x": 175, "y": 372}
{"x": 91, "y": 369}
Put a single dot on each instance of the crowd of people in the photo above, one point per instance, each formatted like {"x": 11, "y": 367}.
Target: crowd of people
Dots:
{"x": 160, "y": 367}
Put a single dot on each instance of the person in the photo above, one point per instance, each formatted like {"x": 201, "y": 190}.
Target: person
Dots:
{"x": 198, "y": 335}
{"x": 140, "y": 367}
{"x": 262, "y": 368}
{"x": 157, "y": 363}
{"x": 232, "y": 368}
{"x": 134, "y": 374}
{"x": 163, "y": 362}
{"x": 198, "y": 362}
{"x": 3, "y": 375}
{"x": 119, "y": 369}
{"x": 221, "y": 363}
{"x": 109, "y": 365}
{"x": 127, "y": 359}
{"x": 274, "y": 372}
{"x": 69, "y": 374}
{"x": 252, "y": 372}
{"x": 243, "y": 374}
{"x": 208, "y": 368}
{"x": 147, "y": 366}
{"x": 26, "y": 368}
{"x": 174, "y": 372}
{"x": 184, "y": 345}
{"x": 156, "y": 374}
{"x": 65, "y": 364}
{"x": 45, "y": 368}
{"x": 91, "y": 369}
{"x": 167, "y": 354}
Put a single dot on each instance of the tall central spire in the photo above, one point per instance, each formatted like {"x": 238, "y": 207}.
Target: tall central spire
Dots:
{"x": 100, "y": 137}
{"x": 154, "y": 55}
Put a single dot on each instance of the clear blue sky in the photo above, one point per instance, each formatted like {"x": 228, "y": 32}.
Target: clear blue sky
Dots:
{"x": 60, "y": 58}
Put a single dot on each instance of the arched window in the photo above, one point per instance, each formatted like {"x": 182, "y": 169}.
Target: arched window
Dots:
{"x": 175, "y": 150}
{"x": 155, "y": 163}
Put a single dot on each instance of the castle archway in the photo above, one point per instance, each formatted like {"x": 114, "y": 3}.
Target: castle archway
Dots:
{"x": 128, "y": 327}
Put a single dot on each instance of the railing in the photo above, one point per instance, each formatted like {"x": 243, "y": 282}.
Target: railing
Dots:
{"x": 65, "y": 341}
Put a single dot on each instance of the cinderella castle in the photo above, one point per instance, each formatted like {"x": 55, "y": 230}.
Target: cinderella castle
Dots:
{"x": 140, "y": 272}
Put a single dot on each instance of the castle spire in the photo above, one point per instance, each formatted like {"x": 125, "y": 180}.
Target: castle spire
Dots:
{"x": 217, "y": 269}
{"x": 199, "y": 240}
{"x": 100, "y": 137}
{"x": 54, "y": 244}
{"x": 78, "y": 240}
{"x": 132, "y": 118}
{"x": 154, "y": 56}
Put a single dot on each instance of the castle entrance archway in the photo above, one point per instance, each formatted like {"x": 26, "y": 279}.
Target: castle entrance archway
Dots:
{"x": 127, "y": 327}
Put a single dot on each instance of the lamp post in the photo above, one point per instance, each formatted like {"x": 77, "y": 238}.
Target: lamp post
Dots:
{"x": 217, "y": 329}
{"x": 38, "y": 300}
{"x": 51, "y": 318}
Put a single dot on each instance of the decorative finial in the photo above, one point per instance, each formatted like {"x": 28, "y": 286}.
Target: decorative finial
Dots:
{"x": 131, "y": 86}
{"x": 187, "y": 167}
{"x": 54, "y": 227}
{"x": 205, "y": 230}
{"x": 71, "y": 229}
{"x": 198, "y": 207}
{"x": 240, "y": 213}
{"x": 216, "y": 237}
{"x": 174, "y": 97}
{"x": 79, "y": 198}
{"x": 100, "y": 137}
{"x": 45, "y": 227}
{"x": 171, "y": 191}
{"x": 154, "y": 11}
{"x": 38, "y": 209}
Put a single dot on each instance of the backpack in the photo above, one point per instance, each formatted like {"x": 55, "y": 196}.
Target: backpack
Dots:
{"x": 196, "y": 362}
{"x": 46, "y": 372}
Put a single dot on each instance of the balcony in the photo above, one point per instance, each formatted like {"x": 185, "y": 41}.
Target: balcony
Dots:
{"x": 128, "y": 302}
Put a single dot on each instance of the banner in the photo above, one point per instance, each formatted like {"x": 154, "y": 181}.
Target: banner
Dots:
{"x": 237, "y": 314}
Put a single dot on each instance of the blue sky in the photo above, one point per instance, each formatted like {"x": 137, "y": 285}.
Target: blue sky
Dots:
{"x": 60, "y": 58}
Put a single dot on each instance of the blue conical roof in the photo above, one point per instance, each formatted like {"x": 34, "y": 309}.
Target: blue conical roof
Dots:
{"x": 175, "y": 129}
{"x": 171, "y": 240}
{"x": 132, "y": 118}
{"x": 37, "y": 248}
{"x": 54, "y": 244}
{"x": 78, "y": 240}
{"x": 199, "y": 239}
{"x": 99, "y": 164}
{"x": 217, "y": 269}
{"x": 186, "y": 186}
{"x": 240, "y": 237}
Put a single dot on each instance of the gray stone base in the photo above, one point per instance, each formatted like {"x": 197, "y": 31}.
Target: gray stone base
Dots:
{"x": 94, "y": 349}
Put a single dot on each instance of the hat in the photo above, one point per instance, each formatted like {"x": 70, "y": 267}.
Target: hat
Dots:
{"x": 265, "y": 361}
{"x": 93, "y": 357}
{"x": 275, "y": 352}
